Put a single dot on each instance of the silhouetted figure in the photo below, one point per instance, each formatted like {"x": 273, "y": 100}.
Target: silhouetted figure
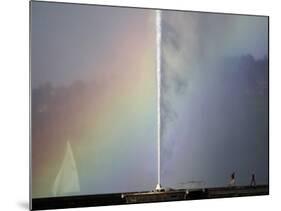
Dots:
{"x": 253, "y": 180}
{"x": 232, "y": 179}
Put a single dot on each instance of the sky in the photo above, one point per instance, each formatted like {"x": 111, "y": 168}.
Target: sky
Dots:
{"x": 93, "y": 74}
{"x": 94, "y": 87}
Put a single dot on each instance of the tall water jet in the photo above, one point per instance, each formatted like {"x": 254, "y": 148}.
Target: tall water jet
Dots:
{"x": 158, "y": 70}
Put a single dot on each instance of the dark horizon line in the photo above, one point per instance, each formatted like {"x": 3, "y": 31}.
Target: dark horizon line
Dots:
{"x": 117, "y": 199}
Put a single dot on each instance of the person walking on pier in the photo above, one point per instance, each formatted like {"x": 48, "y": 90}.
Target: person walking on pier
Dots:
{"x": 232, "y": 179}
{"x": 253, "y": 180}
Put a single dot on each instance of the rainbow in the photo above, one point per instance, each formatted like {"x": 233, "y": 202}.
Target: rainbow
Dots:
{"x": 110, "y": 125}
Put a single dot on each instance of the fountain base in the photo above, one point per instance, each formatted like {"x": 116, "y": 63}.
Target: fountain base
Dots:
{"x": 155, "y": 196}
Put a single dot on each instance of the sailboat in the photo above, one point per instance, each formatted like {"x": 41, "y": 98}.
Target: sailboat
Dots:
{"x": 67, "y": 180}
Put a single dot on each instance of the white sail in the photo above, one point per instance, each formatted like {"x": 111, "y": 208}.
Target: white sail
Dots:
{"x": 67, "y": 180}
